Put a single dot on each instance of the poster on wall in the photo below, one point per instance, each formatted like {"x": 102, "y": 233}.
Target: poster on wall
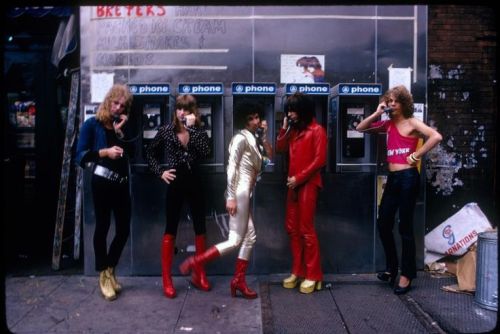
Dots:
{"x": 302, "y": 68}
{"x": 400, "y": 76}
{"x": 100, "y": 83}
{"x": 418, "y": 111}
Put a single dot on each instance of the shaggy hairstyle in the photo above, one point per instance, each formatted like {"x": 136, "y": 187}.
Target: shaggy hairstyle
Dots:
{"x": 246, "y": 108}
{"x": 403, "y": 96}
{"x": 303, "y": 105}
{"x": 188, "y": 103}
{"x": 116, "y": 92}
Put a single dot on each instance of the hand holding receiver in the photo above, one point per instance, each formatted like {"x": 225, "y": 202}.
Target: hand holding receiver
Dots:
{"x": 285, "y": 123}
{"x": 381, "y": 108}
{"x": 189, "y": 120}
{"x": 262, "y": 130}
{"x": 118, "y": 122}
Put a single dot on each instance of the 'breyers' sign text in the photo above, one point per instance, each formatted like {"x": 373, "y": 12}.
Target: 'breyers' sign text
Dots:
{"x": 358, "y": 89}
{"x": 312, "y": 89}
{"x": 147, "y": 89}
{"x": 201, "y": 88}
{"x": 255, "y": 88}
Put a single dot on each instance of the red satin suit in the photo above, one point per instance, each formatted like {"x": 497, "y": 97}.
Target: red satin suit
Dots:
{"x": 307, "y": 153}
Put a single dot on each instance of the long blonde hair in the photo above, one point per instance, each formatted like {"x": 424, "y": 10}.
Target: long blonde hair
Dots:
{"x": 117, "y": 91}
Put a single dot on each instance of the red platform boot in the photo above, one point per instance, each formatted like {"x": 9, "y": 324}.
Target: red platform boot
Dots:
{"x": 167, "y": 253}
{"x": 193, "y": 263}
{"x": 198, "y": 276}
{"x": 239, "y": 282}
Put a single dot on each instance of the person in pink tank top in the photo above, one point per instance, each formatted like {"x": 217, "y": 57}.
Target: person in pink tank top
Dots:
{"x": 401, "y": 190}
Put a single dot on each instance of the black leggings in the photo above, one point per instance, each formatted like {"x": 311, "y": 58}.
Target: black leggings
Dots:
{"x": 400, "y": 194}
{"x": 110, "y": 197}
{"x": 186, "y": 187}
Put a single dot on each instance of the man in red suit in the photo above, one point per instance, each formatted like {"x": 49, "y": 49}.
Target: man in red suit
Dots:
{"x": 305, "y": 140}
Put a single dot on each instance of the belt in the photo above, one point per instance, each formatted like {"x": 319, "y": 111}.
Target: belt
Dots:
{"x": 109, "y": 174}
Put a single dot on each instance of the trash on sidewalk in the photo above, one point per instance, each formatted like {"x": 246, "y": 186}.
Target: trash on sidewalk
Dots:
{"x": 462, "y": 267}
{"x": 456, "y": 234}
{"x": 456, "y": 289}
{"x": 465, "y": 273}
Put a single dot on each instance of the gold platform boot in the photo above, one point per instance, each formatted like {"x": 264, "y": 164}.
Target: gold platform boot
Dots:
{"x": 291, "y": 282}
{"x": 106, "y": 287}
{"x": 309, "y": 286}
{"x": 114, "y": 282}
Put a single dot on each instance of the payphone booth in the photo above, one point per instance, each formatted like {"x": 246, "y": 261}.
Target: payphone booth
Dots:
{"x": 152, "y": 104}
{"x": 272, "y": 250}
{"x": 349, "y": 196}
{"x": 150, "y": 109}
{"x": 265, "y": 94}
{"x": 319, "y": 93}
{"x": 358, "y": 166}
{"x": 350, "y": 104}
{"x": 210, "y": 102}
{"x": 268, "y": 197}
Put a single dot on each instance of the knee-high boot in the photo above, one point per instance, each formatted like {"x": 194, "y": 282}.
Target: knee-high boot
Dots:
{"x": 199, "y": 277}
{"x": 167, "y": 253}
{"x": 193, "y": 263}
{"x": 239, "y": 281}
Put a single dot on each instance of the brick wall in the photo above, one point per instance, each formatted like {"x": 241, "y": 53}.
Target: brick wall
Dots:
{"x": 462, "y": 105}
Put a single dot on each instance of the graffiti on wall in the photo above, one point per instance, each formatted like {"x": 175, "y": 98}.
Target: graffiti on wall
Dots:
{"x": 444, "y": 162}
{"x": 442, "y": 170}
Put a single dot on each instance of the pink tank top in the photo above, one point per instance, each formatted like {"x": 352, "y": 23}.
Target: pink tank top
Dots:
{"x": 398, "y": 146}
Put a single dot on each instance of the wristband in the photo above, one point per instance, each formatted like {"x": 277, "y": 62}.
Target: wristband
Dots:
{"x": 413, "y": 158}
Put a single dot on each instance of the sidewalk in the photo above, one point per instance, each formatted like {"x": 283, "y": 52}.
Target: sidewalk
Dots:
{"x": 347, "y": 304}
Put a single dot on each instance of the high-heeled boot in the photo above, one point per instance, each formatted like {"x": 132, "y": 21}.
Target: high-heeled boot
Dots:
{"x": 239, "y": 281}
{"x": 167, "y": 253}
{"x": 193, "y": 263}
{"x": 105, "y": 285}
{"x": 199, "y": 277}
{"x": 114, "y": 282}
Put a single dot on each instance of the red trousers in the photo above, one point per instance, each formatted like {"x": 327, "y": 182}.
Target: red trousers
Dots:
{"x": 299, "y": 224}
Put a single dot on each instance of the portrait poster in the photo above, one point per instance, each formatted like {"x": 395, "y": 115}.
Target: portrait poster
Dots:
{"x": 302, "y": 68}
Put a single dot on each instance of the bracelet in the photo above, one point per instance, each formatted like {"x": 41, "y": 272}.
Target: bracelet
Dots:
{"x": 413, "y": 158}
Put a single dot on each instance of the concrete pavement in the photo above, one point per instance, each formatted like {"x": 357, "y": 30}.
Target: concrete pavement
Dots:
{"x": 347, "y": 304}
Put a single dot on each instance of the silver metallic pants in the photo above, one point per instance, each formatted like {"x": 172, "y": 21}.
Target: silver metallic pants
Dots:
{"x": 241, "y": 228}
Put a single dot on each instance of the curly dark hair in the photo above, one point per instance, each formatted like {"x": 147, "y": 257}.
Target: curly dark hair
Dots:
{"x": 245, "y": 108}
{"x": 403, "y": 96}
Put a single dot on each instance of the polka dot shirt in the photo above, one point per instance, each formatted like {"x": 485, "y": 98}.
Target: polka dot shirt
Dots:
{"x": 176, "y": 155}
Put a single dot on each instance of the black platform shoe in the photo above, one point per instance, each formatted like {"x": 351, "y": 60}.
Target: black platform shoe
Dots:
{"x": 400, "y": 290}
{"x": 386, "y": 276}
